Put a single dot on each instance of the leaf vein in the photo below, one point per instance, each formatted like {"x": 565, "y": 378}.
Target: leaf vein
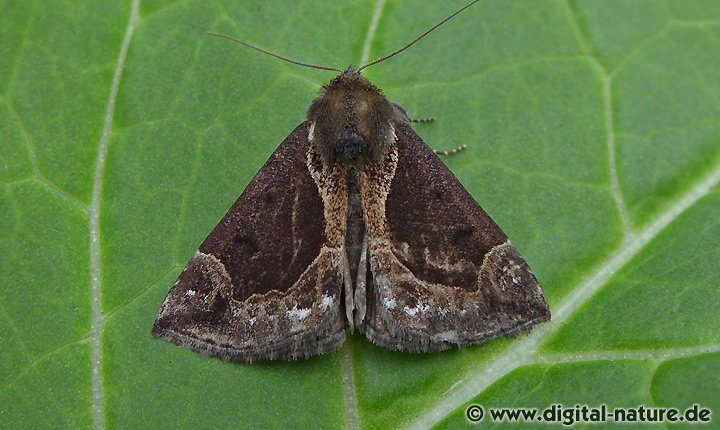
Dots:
{"x": 661, "y": 354}
{"x": 110, "y": 313}
{"x": 372, "y": 30}
{"x": 352, "y": 412}
{"x": 20, "y": 374}
{"x": 606, "y": 80}
{"x": 96, "y": 330}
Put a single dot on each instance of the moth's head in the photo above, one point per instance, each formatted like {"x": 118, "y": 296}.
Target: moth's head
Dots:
{"x": 351, "y": 119}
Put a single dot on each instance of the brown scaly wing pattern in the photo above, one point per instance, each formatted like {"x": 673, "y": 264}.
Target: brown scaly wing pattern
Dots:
{"x": 442, "y": 273}
{"x": 264, "y": 284}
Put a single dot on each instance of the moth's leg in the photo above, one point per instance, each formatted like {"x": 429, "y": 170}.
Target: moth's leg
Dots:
{"x": 401, "y": 115}
{"x": 428, "y": 119}
{"x": 450, "y": 151}
{"x": 437, "y": 151}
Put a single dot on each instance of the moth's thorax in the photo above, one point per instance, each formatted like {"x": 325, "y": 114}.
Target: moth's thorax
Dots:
{"x": 351, "y": 119}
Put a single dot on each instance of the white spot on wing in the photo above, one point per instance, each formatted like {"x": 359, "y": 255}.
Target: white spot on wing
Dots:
{"x": 190, "y": 293}
{"x": 421, "y": 307}
{"x": 298, "y": 314}
{"x": 511, "y": 269}
{"x": 390, "y": 303}
{"x": 252, "y": 320}
{"x": 326, "y": 303}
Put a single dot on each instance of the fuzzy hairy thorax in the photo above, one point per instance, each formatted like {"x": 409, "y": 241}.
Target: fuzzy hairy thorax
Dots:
{"x": 352, "y": 119}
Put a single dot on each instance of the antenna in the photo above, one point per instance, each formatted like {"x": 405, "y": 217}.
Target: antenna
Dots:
{"x": 265, "y": 51}
{"x": 336, "y": 69}
{"x": 394, "y": 53}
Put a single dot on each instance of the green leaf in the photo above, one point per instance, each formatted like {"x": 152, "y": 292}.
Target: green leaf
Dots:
{"x": 594, "y": 141}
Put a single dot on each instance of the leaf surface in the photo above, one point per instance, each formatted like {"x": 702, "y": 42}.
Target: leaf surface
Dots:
{"x": 126, "y": 133}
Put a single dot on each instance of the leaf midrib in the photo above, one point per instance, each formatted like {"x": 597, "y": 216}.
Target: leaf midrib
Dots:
{"x": 98, "y": 317}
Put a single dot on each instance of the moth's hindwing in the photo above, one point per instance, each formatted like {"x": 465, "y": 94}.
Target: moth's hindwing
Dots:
{"x": 442, "y": 273}
{"x": 264, "y": 284}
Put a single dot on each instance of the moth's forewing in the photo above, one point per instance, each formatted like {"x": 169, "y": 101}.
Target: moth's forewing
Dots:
{"x": 442, "y": 272}
{"x": 263, "y": 285}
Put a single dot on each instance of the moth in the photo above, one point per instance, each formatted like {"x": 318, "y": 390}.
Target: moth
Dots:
{"x": 354, "y": 223}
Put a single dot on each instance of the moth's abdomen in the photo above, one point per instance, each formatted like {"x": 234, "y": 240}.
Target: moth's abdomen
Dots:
{"x": 355, "y": 223}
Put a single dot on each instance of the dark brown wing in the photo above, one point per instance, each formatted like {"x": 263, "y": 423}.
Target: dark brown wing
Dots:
{"x": 263, "y": 285}
{"x": 442, "y": 273}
